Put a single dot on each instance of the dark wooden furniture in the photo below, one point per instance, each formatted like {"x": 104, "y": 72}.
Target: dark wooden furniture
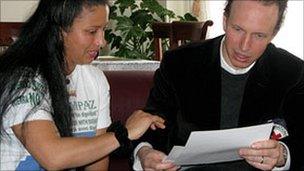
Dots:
{"x": 9, "y": 32}
{"x": 178, "y": 32}
{"x": 161, "y": 31}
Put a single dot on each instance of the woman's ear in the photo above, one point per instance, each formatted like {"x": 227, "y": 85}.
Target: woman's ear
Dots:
{"x": 64, "y": 33}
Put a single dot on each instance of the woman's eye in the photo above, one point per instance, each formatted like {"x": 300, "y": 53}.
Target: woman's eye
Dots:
{"x": 94, "y": 31}
{"x": 105, "y": 28}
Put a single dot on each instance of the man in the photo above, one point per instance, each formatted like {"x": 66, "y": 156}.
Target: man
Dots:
{"x": 239, "y": 79}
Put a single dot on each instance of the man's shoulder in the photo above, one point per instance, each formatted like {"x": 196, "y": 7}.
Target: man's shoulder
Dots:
{"x": 281, "y": 64}
{"x": 279, "y": 57}
{"x": 191, "y": 59}
{"x": 195, "y": 47}
{"x": 193, "y": 52}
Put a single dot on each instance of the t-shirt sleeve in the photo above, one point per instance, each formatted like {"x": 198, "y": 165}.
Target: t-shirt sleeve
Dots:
{"x": 104, "y": 119}
{"x": 32, "y": 103}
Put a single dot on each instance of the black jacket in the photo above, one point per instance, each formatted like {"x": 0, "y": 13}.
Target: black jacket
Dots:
{"x": 187, "y": 93}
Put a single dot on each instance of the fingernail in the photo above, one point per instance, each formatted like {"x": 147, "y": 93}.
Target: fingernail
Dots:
{"x": 254, "y": 146}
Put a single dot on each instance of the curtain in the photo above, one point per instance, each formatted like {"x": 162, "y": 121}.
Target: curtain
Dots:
{"x": 199, "y": 9}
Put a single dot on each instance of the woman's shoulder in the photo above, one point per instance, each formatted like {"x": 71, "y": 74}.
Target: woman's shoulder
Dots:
{"x": 24, "y": 79}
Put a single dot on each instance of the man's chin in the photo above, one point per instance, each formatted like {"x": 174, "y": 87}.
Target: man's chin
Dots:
{"x": 240, "y": 65}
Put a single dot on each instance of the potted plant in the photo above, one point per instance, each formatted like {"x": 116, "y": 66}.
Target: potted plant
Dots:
{"x": 130, "y": 33}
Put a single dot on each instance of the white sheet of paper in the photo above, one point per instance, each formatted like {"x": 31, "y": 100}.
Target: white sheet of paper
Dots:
{"x": 205, "y": 147}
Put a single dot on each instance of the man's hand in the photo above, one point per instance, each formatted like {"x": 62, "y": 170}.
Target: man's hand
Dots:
{"x": 264, "y": 155}
{"x": 152, "y": 160}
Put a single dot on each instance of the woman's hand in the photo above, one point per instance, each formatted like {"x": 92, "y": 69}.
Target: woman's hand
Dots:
{"x": 138, "y": 123}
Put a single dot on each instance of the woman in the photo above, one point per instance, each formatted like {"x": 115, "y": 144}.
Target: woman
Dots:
{"x": 49, "y": 97}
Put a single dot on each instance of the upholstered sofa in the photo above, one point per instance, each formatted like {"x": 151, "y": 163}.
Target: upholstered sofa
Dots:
{"x": 129, "y": 91}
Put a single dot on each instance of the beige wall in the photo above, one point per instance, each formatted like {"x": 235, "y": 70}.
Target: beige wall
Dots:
{"x": 20, "y": 10}
{"x": 181, "y": 7}
{"x": 16, "y": 10}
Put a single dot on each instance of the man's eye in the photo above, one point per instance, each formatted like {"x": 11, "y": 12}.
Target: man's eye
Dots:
{"x": 237, "y": 29}
{"x": 260, "y": 36}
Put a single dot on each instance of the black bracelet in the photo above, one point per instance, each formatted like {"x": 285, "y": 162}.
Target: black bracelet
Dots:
{"x": 121, "y": 134}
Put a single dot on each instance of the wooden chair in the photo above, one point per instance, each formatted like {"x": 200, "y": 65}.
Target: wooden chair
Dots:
{"x": 178, "y": 32}
{"x": 161, "y": 31}
{"x": 9, "y": 32}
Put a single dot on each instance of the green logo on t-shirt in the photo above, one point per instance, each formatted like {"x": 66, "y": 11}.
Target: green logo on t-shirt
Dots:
{"x": 34, "y": 93}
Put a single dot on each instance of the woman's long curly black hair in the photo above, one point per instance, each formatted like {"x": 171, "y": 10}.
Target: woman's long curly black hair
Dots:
{"x": 40, "y": 49}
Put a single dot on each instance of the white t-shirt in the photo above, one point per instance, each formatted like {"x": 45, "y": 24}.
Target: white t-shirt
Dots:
{"x": 90, "y": 101}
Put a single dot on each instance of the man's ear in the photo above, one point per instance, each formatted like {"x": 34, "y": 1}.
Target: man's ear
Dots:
{"x": 224, "y": 23}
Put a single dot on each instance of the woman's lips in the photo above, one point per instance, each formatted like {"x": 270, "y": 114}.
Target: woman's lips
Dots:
{"x": 93, "y": 54}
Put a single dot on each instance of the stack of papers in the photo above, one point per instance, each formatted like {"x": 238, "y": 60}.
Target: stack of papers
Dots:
{"x": 205, "y": 147}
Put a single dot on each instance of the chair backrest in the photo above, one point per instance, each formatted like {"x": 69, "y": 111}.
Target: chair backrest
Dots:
{"x": 9, "y": 31}
{"x": 178, "y": 32}
{"x": 161, "y": 30}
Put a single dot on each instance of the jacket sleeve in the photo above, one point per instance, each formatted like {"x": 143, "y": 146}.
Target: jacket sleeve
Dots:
{"x": 294, "y": 111}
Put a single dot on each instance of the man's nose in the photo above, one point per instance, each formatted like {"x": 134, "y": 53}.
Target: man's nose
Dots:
{"x": 245, "y": 43}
